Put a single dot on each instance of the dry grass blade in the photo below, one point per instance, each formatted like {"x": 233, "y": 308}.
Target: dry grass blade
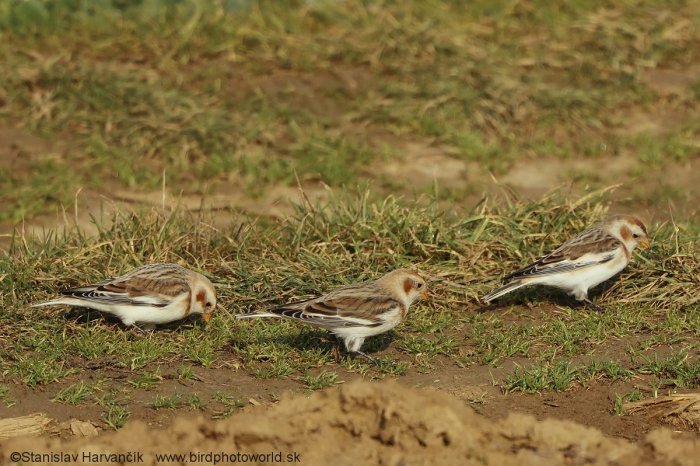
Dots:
{"x": 32, "y": 424}
{"x": 681, "y": 409}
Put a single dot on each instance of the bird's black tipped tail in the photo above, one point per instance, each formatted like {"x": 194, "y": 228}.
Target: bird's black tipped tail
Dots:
{"x": 505, "y": 289}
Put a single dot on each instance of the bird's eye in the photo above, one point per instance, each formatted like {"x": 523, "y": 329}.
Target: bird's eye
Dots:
{"x": 635, "y": 236}
{"x": 419, "y": 286}
{"x": 208, "y": 305}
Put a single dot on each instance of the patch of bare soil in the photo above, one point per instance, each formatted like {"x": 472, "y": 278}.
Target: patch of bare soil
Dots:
{"x": 641, "y": 190}
{"x": 591, "y": 405}
{"x": 378, "y": 423}
{"x": 668, "y": 82}
{"x": 420, "y": 165}
{"x": 19, "y": 148}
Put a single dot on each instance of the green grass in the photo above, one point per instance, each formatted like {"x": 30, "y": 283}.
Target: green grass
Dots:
{"x": 75, "y": 394}
{"x": 6, "y": 396}
{"x": 610, "y": 369}
{"x": 352, "y": 239}
{"x": 147, "y": 380}
{"x": 620, "y": 400}
{"x": 563, "y": 375}
{"x": 43, "y": 184}
{"x": 677, "y": 369}
{"x": 421, "y": 346}
{"x": 229, "y": 404}
{"x": 36, "y": 369}
{"x": 116, "y": 416}
{"x": 166, "y": 401}
{"x": 195, "y": 402}
{"x": 187, "y": 373}
{"x": 558, "y": 376}
{"x": 116, "y": 410}
{"x": 323, "y": 380}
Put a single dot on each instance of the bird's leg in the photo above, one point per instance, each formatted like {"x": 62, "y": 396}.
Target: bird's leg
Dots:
{"x": 582, "y": 296}
{"x": 353, "y": 345}
{"x": 146, "y": 328}
{"x": 365, "y": 355}
{"x": 591, "y": 305}
{"x": 336, "y": 353}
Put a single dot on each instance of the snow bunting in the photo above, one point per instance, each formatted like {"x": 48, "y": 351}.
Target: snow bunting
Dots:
{"x": 358, "y": 311}
{"x": 584, "y": 261}
{"x": 151, "y": 294}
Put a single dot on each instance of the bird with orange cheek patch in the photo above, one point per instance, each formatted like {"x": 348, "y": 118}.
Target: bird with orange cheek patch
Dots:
{"x": 149, "y": 295}
{"x": 586, "y": 260}
{"x": 358, "y": 311}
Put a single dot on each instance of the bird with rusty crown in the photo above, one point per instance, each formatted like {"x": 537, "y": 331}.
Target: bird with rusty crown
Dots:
{"x": 358, "y": 311}
{"x": 148, "y": 295}
{"x": 583, "y": 262}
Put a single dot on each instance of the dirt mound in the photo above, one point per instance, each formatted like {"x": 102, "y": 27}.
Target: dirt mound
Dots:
{"x": 368, "y": 423}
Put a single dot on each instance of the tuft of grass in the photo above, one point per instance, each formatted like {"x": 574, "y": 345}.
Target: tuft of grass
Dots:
{"x": 6, "y": 396}
{"x": 621, "y": 399}
{"x": 317, "y": 382}
{"x": 116, "y": 409}
{"x": 75, "y": 394}
{"x": 676, "y": 369}
{"x": 194, "y": 401}
{"x": 147, "y": 380}
{"x": 166, "y": 401}
{"x": 429, "y": 347}
{"x": 143, "y": 352}
{"x": 116, "y": 416}
{"x": 201, "y": 351}
{"x": 558, "y": 376}
{"x": 496, "y": 342}
{"x": 610, "y": 369}
{"x": 230, "y": 404}
{"x": 186, "y": 373}
{"x": 35, "y": 369}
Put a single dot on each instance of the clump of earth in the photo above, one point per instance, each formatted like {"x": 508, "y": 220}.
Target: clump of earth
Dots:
{"x": 365, "y": 423}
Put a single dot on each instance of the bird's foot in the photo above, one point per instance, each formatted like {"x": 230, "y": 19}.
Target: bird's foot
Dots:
{"x": 365, "y": 355}
{"x": 487, "y": 307}
{"x": 593, "y": 306}
{"x": 146, "y": 329}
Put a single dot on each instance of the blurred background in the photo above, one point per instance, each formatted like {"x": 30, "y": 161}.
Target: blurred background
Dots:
{"x": 232, "y": 105}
